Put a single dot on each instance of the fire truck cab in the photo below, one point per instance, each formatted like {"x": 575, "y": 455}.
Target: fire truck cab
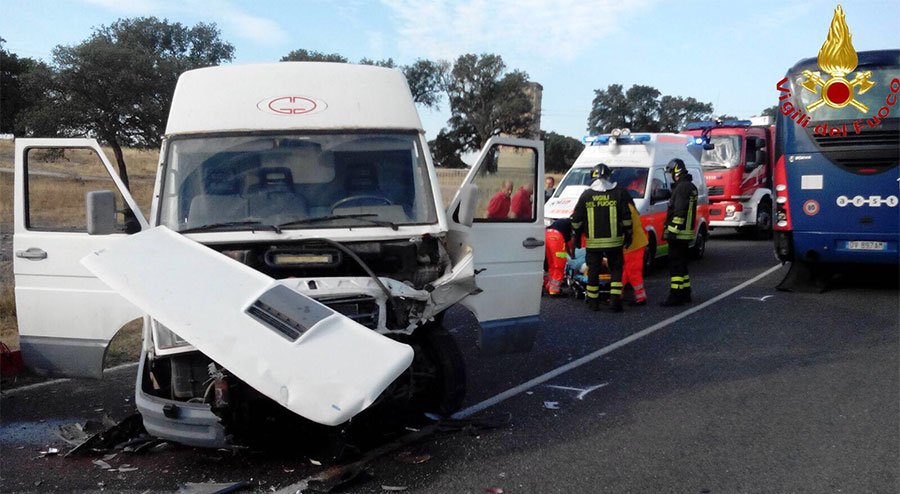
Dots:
{"x": 736, "y": 163}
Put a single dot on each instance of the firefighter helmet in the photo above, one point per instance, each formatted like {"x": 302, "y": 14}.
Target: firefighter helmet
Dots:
{"x": 600, "y": 171}
{"x": 676, "y": 167}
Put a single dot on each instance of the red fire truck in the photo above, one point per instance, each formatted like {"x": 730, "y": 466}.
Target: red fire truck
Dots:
{"x": 736, "y": 162}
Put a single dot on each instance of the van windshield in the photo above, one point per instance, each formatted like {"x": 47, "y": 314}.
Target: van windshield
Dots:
{"x": 631, "y": 178}
{"x": 323, "y": 180}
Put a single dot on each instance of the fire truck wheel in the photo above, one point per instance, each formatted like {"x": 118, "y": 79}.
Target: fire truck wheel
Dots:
{"x": 763, "y": 228}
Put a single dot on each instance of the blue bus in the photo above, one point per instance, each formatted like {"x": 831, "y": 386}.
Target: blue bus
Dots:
{"x": 836, "y": 154}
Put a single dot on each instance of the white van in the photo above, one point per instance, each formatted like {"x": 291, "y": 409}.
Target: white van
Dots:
{"x": 296, "y": 256}
{"x": 638, "y": 163}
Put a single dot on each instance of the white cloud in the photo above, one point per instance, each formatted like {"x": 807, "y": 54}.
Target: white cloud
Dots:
{"x": 562, "y": 29}
{"x": 135, "y": 7}
{"x": 229, "y": 17}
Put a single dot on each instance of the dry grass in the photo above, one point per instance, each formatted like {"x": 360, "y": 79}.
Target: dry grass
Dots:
{"x": 126, "y": 345}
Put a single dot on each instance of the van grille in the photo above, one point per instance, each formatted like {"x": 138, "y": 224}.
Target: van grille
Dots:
{"x": 361, "y": 308}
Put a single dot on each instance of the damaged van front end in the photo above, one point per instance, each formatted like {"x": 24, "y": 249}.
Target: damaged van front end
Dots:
{"x": 296, "y": 263}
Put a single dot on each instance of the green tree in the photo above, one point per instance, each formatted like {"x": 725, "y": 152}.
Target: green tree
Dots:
{"x": 425, "y": 77}
{"x": 302, "y": 55}
{"x": 643, "y": 109}
{"x": 117, "y": 85}
{"x": 426, "y": 80}
{"x": 676, "y": 112}
{"x": 387, "y": 63}
{"x": 609, "y": 110}
{"x": 20, "y": 89}
{"x": 560, "y": 151}
{"x": 486, "y": 100}
{"x": 771, "y": 111}
{"x": 445, "y": 150}
{"x": 643, "y": 102}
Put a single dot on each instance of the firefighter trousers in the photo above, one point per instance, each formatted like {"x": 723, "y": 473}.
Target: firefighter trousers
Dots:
{"x": 555, "y": 252}
{"x": 633, "y": 273}
{"x": 594, "y": 260}
{"x": 680, "y": 280}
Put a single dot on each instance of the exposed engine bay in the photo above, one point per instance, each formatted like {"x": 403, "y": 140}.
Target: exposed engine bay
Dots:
{"x": 398, "y": 288}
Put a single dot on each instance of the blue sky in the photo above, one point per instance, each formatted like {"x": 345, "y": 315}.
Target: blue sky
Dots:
{"x": 728, "y": 53}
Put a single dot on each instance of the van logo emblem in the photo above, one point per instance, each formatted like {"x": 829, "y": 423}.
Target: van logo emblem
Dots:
{"x": 291, "y": 105}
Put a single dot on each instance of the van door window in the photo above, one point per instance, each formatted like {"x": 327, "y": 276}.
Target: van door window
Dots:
{"x": 506, "y": 184}
{"x": 56, "y": 182}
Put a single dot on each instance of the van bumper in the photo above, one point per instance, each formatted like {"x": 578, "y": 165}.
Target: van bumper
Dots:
{"x": 193, "y": 424}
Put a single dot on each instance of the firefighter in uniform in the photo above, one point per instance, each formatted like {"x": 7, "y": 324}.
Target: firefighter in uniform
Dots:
{"x": 679, "y": 230}
{"x": 602, "y": 216}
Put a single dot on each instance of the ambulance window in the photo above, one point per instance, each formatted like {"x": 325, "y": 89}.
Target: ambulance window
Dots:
{"x": 56, "y": 181}
{"x": 507, "y": 181}
{"x": 659, "y": 181}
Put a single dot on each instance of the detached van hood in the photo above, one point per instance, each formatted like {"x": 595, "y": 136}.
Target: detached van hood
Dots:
{"x": 300, "y": 353}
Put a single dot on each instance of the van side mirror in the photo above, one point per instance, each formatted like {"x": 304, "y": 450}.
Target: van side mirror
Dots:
{"x": 468, "y": 199}
{"x": 660, "y": 195}
{"x": 100, "y": 208}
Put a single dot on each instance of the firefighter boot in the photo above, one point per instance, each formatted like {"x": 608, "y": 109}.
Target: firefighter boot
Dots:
{"x": 686, "y": 295}
{"x": 616, "y": 303}
{"x": 674, "y": 299}
{"x": 593, "y": 303}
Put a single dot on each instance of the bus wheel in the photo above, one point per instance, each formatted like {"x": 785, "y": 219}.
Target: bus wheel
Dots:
{"x": 699, "y": 248}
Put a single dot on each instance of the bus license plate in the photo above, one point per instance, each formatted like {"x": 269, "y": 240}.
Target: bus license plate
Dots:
{"x": 865, "y": 245}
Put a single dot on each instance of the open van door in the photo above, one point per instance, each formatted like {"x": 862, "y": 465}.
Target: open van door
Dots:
{"x": 499, "y": 212}
{"x": 67, "y": 316}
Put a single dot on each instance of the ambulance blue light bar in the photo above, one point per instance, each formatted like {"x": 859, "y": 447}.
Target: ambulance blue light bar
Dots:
{"x": 605, "y": 138}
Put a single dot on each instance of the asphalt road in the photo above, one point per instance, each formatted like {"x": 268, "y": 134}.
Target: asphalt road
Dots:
{"x": 754, "y": 391}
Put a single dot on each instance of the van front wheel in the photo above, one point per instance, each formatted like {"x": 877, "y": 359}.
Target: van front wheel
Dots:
{"x": 699, "y": 248}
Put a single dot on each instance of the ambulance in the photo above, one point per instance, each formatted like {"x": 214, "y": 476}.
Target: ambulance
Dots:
{"x": 638, "y": 163}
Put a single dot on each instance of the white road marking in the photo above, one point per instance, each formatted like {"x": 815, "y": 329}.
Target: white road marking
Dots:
{"x": 758, "y": 299}
{"x": 29, "y": 387}
{"x": 582, "y": 392}
{"x": 509, "y": 393}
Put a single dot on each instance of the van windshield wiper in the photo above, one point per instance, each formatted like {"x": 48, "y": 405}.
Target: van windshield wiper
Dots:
{"x": 361, "y": 216}
{"x": 256, "y": 224}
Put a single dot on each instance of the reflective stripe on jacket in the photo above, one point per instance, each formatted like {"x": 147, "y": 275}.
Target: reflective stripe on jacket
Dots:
{"x": 602, "y": 215}
{"x": 682, "y": 213}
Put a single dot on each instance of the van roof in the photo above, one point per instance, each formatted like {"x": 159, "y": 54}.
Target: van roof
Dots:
{"x": 291, "y": 96}
{"x": 660, "y": 148}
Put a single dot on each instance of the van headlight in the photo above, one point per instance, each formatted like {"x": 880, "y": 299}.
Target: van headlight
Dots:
{"x": 165, "y": 339}
{"x": 547, "y": 222}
